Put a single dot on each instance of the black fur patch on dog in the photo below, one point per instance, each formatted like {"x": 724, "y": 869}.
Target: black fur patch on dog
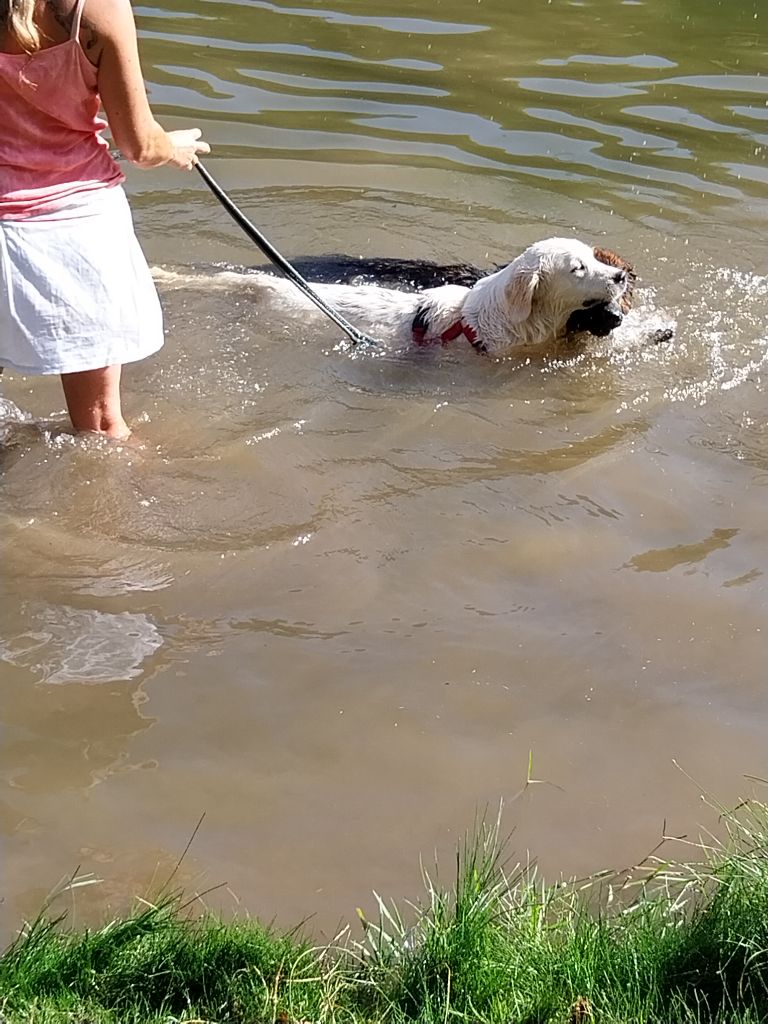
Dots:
{"x": 412, "y": 275}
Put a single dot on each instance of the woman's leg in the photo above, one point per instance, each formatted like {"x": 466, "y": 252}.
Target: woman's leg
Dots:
{"x": 93, "y": 401}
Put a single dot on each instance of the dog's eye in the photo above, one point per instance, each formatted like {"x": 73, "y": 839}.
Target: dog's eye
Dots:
{"x": 578, "y": 267}
{"x": 590, "y": 302}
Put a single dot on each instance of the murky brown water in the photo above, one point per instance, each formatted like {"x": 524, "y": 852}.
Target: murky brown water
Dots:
{"x": 332, "y": 602}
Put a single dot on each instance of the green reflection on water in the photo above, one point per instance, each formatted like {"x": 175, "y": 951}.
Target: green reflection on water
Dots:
{"x": 630, "y": 101}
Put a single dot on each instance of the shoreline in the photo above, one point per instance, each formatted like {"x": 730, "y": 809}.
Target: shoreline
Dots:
{"x": 671, "y": 942}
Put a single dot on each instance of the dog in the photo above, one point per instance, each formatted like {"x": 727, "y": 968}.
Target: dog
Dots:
{"x": 558, "y": 289}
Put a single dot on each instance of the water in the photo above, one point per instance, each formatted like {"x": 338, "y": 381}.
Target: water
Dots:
{"x": 336, "y": 604}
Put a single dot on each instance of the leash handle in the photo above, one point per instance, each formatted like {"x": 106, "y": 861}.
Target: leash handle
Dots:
{"x": 357, "y": 337}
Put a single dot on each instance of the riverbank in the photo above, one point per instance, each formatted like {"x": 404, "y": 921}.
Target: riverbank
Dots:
{"x": 673, "y": 942}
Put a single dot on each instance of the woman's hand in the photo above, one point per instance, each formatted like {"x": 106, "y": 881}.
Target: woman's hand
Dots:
{"x": 134, "y": 129}
{"x": 186, "y": 144}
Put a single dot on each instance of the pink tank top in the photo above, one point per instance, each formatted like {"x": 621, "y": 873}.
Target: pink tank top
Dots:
{"x": 50, "y": 142}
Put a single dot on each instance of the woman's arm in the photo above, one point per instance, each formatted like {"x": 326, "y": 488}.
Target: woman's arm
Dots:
{"x": 134, "y": 129}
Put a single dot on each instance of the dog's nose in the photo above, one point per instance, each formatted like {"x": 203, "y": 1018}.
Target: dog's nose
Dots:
{"x": 620, "y": 276}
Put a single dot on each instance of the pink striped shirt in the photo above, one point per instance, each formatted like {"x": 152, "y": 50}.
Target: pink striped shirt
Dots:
{"x": 50, "y": 142}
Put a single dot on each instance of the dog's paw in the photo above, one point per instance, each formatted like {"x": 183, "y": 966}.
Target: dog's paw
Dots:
{"x": 661, "y": 335}
{"x": 644, "y": 328}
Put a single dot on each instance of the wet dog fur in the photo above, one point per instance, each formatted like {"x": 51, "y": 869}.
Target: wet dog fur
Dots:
{"x": 556, "y": 290}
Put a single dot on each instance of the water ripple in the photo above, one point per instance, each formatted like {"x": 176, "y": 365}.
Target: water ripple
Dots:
{"x": 416, "y": 26}
{"x": 397, "y": 88}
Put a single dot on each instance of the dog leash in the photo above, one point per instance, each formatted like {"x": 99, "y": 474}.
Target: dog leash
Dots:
{"x": 356, "y": 336}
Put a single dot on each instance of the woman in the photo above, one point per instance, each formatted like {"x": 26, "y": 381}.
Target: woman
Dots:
{"x": 76, "y": 295}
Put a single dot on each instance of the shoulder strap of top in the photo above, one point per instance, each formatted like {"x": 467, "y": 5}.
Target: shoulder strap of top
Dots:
{"x": 77, "y": 16}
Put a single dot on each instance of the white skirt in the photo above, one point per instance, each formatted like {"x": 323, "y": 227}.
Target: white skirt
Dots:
{"x": 75, "y": 289}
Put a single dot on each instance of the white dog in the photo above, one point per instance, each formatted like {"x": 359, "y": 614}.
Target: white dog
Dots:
{"x": 556, "y": 288}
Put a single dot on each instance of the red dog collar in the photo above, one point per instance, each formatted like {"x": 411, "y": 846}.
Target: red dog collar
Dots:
{"x": 420, "y": 326}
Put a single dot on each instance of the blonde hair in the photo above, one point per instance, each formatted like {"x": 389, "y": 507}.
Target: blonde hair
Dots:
{"x": 18, "y": 18}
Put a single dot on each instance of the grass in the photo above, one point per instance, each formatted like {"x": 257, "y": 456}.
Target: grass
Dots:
{"x": 669, "y": 943}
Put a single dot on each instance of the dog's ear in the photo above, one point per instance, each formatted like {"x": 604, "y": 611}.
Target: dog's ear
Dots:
{"x": 612, "y": 259}
{"x": 520, "y": 289}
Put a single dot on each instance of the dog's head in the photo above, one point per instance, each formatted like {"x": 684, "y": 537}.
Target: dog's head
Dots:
{"x": 560, "y": 276}
{"x": 600, "y": 318}
{"x": 532, "y": 300}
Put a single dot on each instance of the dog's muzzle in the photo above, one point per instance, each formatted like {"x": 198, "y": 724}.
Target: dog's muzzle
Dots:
{"x": 599, "y": 319}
